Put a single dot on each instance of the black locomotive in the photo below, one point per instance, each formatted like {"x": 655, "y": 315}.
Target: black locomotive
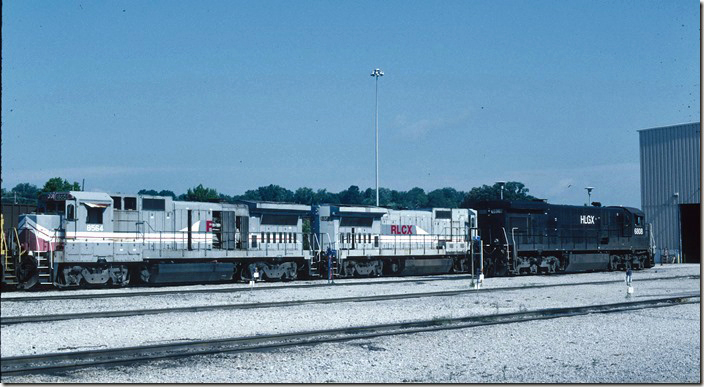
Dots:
{"x": 529, "y": 237}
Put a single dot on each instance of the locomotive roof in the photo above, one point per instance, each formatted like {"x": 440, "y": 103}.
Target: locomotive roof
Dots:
{"x": 356, "y": 208}
{"x": 512, "y": 204}
{"x": 255, "y": 205}
{"x": 533, "y": 205}
{"x": 80, "y": 195}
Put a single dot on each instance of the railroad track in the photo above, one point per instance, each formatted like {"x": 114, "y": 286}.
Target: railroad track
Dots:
{"x": 304, "y": 286}
{"x": 224, "y": 290}
{"x": 53, "y": 362}
{"x": 11, "y": 320}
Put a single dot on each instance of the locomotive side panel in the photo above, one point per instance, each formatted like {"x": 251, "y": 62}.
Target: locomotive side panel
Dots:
{"x": 275, "y": 240}
{"x": 524, "y": 237}
{"x": 371, "y": 241}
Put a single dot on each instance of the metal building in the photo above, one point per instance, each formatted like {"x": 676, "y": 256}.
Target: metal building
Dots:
{"x": 670, "y": 166}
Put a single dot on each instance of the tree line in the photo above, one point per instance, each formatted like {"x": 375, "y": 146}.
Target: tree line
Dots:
{"x": 414, "y": 198}
{"x": 25, "y": 193}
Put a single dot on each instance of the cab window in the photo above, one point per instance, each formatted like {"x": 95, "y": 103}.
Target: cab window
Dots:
{"x": 95, "y": 215}
{"x": 130, "y": 203}
{"x": 638, "y": 220}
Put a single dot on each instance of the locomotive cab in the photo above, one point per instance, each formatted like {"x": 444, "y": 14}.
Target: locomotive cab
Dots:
{"x": 63, "y": 226}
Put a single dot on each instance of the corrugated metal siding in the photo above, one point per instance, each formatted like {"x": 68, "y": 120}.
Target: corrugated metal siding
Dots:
{"x": 669, "y": 162}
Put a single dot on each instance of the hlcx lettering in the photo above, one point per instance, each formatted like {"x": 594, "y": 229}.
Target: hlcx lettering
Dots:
{"x": 587, "y": 219}
{"x": 401, "y": 230}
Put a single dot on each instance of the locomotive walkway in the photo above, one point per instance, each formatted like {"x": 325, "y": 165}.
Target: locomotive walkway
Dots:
{"x": 53, "y": 362}
{"x": 200, "y": 308}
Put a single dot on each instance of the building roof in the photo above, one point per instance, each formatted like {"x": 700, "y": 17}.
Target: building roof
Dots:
{"x": 671, "y": 126}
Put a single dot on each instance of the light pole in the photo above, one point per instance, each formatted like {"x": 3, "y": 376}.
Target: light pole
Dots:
{"x": 589, "y": 192}
{"x": 501, "y": 185}
{"x": 376, "y": 73}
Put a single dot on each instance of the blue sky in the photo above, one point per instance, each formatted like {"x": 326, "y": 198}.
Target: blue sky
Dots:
{"x": 239, "y": 94}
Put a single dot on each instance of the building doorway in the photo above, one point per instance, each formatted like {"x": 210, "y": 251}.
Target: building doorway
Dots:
{"x": 690, "y": 229}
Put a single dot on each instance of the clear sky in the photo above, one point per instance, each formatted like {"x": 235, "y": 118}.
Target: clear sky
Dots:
{"x": 239, "y": 94}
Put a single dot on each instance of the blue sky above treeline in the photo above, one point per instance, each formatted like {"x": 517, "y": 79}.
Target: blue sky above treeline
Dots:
{"x": 237, "y": 95}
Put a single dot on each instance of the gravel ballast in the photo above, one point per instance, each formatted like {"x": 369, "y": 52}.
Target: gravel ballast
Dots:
{"x": 524, "y": 352}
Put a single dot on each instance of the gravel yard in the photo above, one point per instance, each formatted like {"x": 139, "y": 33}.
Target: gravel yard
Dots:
{"x": 266, "y": 292}
{"x": 655, "y": 272}
{"x": 657, "y": 345}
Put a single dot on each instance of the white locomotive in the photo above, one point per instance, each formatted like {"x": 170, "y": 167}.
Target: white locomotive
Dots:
{"x": 77, "y": 238}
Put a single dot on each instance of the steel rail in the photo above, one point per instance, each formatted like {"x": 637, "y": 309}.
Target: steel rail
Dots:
{"x": 220, "y": 290}
{"x": 302, "y": 286}
{"x": 11, "y": 320}
{"x": 52, "y": 362}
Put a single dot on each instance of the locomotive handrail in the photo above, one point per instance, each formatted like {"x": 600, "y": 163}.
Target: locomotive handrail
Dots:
{"x": 515, "y": 250}
{"x": 17, "y": 240}
{"x": 508, "y": 256}
{"x": 334, "y": 244}
{"x": 51, "y": 254}
{"x": 569, "y": 242}
{"x": 399, "y": 243}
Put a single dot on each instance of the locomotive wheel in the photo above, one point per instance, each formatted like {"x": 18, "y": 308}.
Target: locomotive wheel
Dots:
{"x": 501, "y": 270}
{"x": 614, "y": 263}
{"x": 27, "y": 274}
{"x": 123, "y": 279}
{"x": 243, "y": 276}
{"x": 489, "y": 269}
{"x": 245, "y": 273}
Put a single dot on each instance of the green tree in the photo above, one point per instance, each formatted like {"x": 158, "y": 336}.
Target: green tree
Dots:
{"x": 385, "y": 197}
{"x": 57, "y": 184}
{"x": 416, "y": 198}
{"x": 23, "y": 193}
{"x": 304, "y": 195}
{"x": 396, "y": 200}
{"x": 166, "y": 192}
{"x": 445, "y": 197}
{"x": 251, "y": 194}
{"x": 148, "y": 192}
{"x": 513, "y": 190}
{"x": 322, "y": 196}
{"x": 200, "y": 194}
{"x": 227, "y": 198}
{"x": 369, "y": 197}
{"x": 270, "y": 193}
{"x": 350, "y": 195}
{"x": 275, "y": 193}
{"x": 26, "y": 190}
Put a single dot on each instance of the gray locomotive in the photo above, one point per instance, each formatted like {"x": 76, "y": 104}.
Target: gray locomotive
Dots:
{"x": 91, "y": 238}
